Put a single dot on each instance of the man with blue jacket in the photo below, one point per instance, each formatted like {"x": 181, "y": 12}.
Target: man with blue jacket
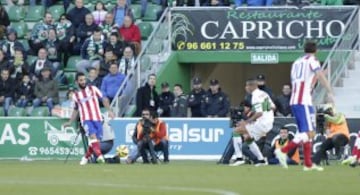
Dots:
{"x": 112, "y": 82}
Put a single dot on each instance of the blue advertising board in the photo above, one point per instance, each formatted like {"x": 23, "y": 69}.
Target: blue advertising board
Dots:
{"x": 198, "y": 138}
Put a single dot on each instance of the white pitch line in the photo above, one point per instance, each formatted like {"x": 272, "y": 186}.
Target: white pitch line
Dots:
{"x": 122, "y": 185}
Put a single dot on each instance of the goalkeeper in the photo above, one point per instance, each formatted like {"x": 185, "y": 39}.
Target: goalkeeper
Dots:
{"x": 337, "y": 134}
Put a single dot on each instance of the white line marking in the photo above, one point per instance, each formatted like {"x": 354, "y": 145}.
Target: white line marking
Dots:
{"x": 122, "y": 185}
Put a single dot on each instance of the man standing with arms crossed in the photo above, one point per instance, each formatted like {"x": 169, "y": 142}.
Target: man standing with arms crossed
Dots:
{"x": 87, "y": 103}
{"x": 303, "y": 71}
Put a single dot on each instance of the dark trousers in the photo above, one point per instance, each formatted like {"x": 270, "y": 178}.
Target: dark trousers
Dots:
{"x": 337, "y": 141}
{"x": 145, "y": 146}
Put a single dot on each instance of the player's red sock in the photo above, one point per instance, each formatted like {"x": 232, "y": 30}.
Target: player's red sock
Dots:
{"x": 96, "y": 148}
{"x": 307, "y": 154}
{"x": 89, "y": 152}
{"x": 291, "y": 145}
{"x": 354, "y": 151}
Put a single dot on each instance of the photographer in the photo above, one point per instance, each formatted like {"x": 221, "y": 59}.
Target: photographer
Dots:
{"x": 151, "y": 135}
{"x": 337, "y": 132}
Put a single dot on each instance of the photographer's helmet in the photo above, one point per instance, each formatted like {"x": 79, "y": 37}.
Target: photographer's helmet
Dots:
{"x": 328, "y": 108}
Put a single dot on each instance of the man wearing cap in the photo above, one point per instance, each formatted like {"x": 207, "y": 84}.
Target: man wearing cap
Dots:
{"x": 261, "y": 82}
{"x": 46, "y": 90}
{"x": 195, "y": 97}
{"x": 179, "y": 107}
{"x": 166, "y": 99}
{"x": 215, "y": 103}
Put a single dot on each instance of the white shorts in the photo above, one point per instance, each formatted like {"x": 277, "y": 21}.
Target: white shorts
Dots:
{"x": 258, "y": 129}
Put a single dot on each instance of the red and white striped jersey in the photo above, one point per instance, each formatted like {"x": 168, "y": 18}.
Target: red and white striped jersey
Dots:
{"x": 302, "y": 74}
{"x": 86, "y": 101}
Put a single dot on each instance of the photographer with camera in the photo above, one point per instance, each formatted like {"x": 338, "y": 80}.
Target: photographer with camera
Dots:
{"x": 151, "y": 135}
{"x": 337, "y": 132}
{"x": 260, "y": 122}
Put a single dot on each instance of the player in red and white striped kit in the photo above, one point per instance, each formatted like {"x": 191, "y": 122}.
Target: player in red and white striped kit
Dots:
{"x": 354, "y": 159}
{"x": 303, "y": 71}
{"x": 86, "y": 102}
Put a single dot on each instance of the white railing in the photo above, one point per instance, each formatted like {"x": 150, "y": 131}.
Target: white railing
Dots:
{"x": 337, "y": 61}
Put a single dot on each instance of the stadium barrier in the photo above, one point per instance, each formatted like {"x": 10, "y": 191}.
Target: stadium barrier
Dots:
{"x": 190, "y": 138}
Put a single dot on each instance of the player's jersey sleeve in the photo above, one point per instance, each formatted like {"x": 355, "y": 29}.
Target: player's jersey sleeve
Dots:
{"x": 256, "y": 103}
{"x": 74, "y": 102}
{"x": 315, "y": 65}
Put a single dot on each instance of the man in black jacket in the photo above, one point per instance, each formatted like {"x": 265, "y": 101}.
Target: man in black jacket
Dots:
{"x": 7, "y": 90}
{"x": 195, "y": 97}
{"x": 166, "y": 99}
{"x": 282, "y": 102}
{"x": 147, "y": 97}
{"x": 215, "y": 103}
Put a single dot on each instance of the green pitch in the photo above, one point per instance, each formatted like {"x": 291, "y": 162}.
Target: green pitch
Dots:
{"x": 181, "y": 177}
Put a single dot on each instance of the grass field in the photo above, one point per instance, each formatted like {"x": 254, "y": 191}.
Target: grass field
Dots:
{"x": 180, "y": 177}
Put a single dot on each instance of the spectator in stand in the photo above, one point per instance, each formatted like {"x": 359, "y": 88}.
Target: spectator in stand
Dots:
{"x": 195, "y": 97}
{"x": 93, "y": 78}
{"x": 85, "y": 31}
{"x": 215, "y": 103}
{"x": 108, "y": 26}
{"x": 40, "y": 63}
{"x": 215, "y": 3}
{"x": 127, "y": 62}
{"x": 24, "y": 92}
{"x": 131, "y": 33}
{"x": 66, "y": 36}
{"x": 68, "y": 103}
{"x": 239, "y": 3}
{"x": 18, "y": 66}
{"x": 3, "y": 61}
{"x": 179, "y": 107}
{"x": 282, "y": 102}
{"x": 4, "y": 21}
{"x": 105, "y": 63}
{"x": 46, "y": 90}
{"x": 92, "y": 52}
{"x": 99, "y": 13}
{"x": 52, "y": 45}
{"x": 120, "y": 11}
{"x": 147, "y": 97}
{"x": 262, "y": 85}
{"x": 10, "y": 43}
{"x": 117, "y": 44}
{"x": 40, "y": 33}
{"x": 112, "y": 82}
{"x": 7, "y": 90}
{"x": 166, "y": 99}
{"x": 77, "y": 14}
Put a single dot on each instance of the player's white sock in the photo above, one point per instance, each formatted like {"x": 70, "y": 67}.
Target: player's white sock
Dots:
{"x": 237, "y": 143}
{"x": 254, "y": 148}
{"x": 301, "y": 137}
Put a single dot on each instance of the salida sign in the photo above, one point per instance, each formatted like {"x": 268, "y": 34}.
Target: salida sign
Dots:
{"x": 256, "y": 29}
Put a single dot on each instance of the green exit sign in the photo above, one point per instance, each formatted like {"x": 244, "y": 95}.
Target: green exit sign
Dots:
{"x": 264, "y": 58}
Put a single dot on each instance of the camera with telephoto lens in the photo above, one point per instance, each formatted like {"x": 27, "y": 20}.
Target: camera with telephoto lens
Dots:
{"x": 236, "y": 115}
{"x": 321, "y": 111}
{"x": 147, "y": 126}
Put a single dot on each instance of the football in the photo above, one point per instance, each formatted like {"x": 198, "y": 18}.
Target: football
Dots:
{"x": 122, "y": 151}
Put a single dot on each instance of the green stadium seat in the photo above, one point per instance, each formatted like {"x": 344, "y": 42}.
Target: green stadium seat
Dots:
{"x": 56, "y": 11}
{"x": 145, "y": 63}
{"x": 155, "y": 47}
{"x": 21, "y": 29}
{"x": 151, "y": 12}
{"x": 146, "y": 29}
{"x": 70, "y": 7}
{"x": 90, "y": 6}
{"x": 71, "y": 64}
{"x": 40, "y": 111}
{"x": 16, "y": 13}
{"x": 25, "y": 43}
{"x": 70, "y": 77}
{"x": 35, "y": 13}
{"x": 109, "y": 6}
{"x": 136, "y": 10}
{"x": 2, "y": 112}
{"x": 163, "y": 32}
{"x": 16, "y": 111}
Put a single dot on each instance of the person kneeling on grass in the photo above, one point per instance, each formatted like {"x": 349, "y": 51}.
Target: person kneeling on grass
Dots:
{"x": 354, "y": 159}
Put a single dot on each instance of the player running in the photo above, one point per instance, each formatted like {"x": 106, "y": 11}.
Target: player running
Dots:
{"x": 86, "y": 102}
{"x": 303, "y": 71}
